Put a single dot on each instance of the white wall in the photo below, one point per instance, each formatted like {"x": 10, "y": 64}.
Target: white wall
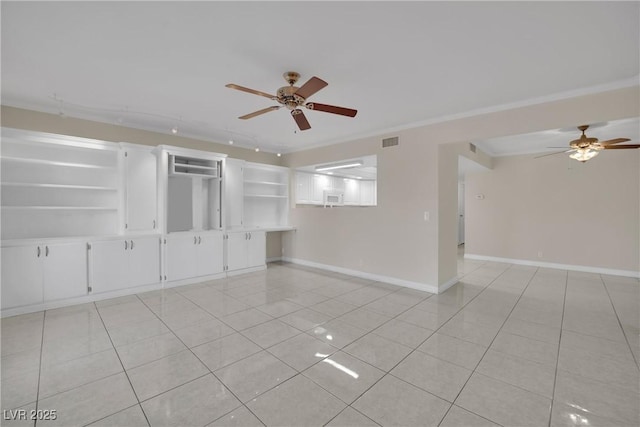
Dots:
{"x": 572, "y": 213}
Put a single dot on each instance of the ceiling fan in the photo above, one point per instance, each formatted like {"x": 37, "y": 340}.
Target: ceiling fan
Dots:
{"x": 585, "y": 148}
{"x": 294, "y": 97}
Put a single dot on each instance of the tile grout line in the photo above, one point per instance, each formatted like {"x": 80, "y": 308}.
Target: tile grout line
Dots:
{"x": 555, "y": 377}
{"x": 203, "y": 364}
{"x": 44, "y": 318}
{"x": 121, "y": 364}
{"x": 473, "y": 371}
{"x": 415, "y": 349}
{"x": 619, "y": 322}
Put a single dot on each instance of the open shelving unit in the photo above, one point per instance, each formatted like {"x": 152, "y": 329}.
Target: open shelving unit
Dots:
{"x": 57, "y": 186}
{"x": 191, "y": 166}
{"x": 266, "y": 195}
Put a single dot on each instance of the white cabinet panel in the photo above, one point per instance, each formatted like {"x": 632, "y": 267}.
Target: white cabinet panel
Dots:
{"x": 246, "y": 249}
{"x": 256, "y": 249}
{"x": 368, "y": 193}
{"x": 304, "y": 187}
{"x": 234, "y": 193}
{"x": 121, "y": 264}
{"x": 21, "y": 276}
{"x": 320, "y": 183}
{"x": 109, "y": 265}
{"x": 144, "y": 261}
{"x": 352, "y": 192}
{"x": 141, "y": 189}
{"x": 237, "y": 250}
{"x": 65, "y": 271}
{"x": 209, "y": 254}
{"x": 180, "y": 257}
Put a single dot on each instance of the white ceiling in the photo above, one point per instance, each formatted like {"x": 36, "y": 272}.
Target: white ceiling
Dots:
{"x": 154, "y": 65}
{"x": 558, "y": 139}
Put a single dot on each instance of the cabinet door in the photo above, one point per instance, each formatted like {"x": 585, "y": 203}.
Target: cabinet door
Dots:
{"x": 210, "y": 254}
{"x": 304, "y": 187}
{"x": 234, "y": 193}
{"x": 237, "y": 250}
{"x": 367, "y": 193}
{"x": 320, "y": 183}
{"x": 257, "y": 249}
{"x": 109, "y": 260}
{"x": 352, "y": 192}
{"x": 144, "y": 261}
{"x": 141, "y": 190}
{"x": 180, "y": 257}
{"x": 65, "y": 271}
{"x": 21, "y": 276}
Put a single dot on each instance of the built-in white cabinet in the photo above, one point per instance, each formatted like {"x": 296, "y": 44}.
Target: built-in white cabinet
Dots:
{"x": 311, "y": 189}
{"x": 245, "y": 250}
{"x": 34, "y": 274}
{"x": 190, "y": 255}
{"x": 58, "y": 186}
{"x": 233, "y": 193}
{"x": 124, "y": 263}
{"x": 140, "y": 173}
{"x": 256, "y": 195}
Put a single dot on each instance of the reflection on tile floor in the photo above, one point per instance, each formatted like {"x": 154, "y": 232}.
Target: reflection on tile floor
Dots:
{"x": 508, "y": 345}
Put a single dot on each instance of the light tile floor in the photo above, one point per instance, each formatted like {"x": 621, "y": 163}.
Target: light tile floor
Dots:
{"x": 508, "y": 345}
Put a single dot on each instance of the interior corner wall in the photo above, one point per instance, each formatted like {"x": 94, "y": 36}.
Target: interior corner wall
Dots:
{"x": 448, "y": 205}
{"x": 557, "y": 210}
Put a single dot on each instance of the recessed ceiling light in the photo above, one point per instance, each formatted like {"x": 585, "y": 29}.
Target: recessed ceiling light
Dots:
{"x": 257, "y": 149}
{"x": 174, "y": 130}
{"x": 279, "y": 155}
{"x": 231, "y": 142}
{"x": 329, "y": 173}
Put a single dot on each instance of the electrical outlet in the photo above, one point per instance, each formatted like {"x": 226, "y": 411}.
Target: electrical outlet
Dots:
{"x": 539, "y": 254}
{"x": 426, "y": 216}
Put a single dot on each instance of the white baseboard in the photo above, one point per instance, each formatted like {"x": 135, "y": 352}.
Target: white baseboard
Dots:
{"x": 364, "y": 275}
{"x": 449, "y": 283}
{"x": 274, "y": 259}
{"x": 246, "y": 270}
{"x": 79, "y": 300}
{"x": 583, "y": 268}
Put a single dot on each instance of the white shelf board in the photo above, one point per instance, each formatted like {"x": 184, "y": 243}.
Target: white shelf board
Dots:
{"x": 265, "y": 196}
{"x": 265, "y": 183}
{"x": 202, "y": 175}
{"x": 55, "y": 163}
{"x": 63, "y": 186}
{"x": 69, "y": 208}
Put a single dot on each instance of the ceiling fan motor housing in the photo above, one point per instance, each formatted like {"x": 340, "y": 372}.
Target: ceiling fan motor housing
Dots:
{"x": 287, "y": 97}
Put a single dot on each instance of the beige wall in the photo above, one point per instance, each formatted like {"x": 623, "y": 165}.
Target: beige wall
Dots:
{"x": 392, "y": 239}
{"x": 573, "y": 213}
{"x": 52, "y": 123}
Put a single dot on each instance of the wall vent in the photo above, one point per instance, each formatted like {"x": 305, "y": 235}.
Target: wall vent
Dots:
{"x": 389, "y": 142}
{"x": 472, "y": 148}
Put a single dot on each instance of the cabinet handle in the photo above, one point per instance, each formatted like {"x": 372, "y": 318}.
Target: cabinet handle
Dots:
{"x": 126, "y": 245}
{"x": 132, "y": 244}
{"x": 46, "y": 251}
{"x": 195, "y": 240}
{"x": 249, "y": 236}
{"x": 38, "y": 251}
{"x": 199, "y": 239}
{"x": 154, "y": 223}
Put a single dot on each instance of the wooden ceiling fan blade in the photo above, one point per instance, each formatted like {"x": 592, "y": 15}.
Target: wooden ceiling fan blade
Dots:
{"x": 332, "y": 109}
{"x": 253, "y": 91}
{"x": 621, "y": 147}
{"x": 312, "y": 86}
{"x": 614, "y": 141}
{"x": 257, "y": 113}
{"x": 300, "y": 119}
{"x": 552, "y": 154}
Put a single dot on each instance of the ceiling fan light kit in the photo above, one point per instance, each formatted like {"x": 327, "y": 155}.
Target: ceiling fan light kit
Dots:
{"x": 586, "y": 148}
{"x": 293, "y": 97}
